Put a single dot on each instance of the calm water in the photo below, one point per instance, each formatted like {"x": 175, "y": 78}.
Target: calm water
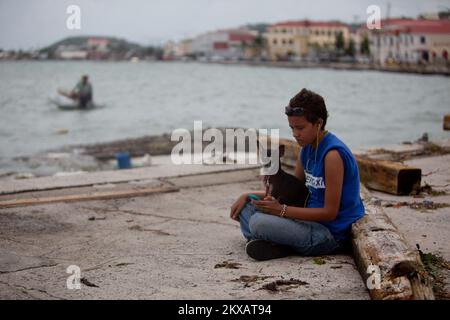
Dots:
{"x": 366, "y": 108}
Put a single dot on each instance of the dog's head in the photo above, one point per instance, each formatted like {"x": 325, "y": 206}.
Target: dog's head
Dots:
{"x": 271, "y": 162}
{"x": 270, "y": 158}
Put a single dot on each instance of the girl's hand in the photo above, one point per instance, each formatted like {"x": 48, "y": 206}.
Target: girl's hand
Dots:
{"x": 237, "y": 206}
{"x": 269, "y": 205}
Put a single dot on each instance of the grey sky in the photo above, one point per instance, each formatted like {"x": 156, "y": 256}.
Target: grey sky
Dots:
{"x": 26, "y": 24}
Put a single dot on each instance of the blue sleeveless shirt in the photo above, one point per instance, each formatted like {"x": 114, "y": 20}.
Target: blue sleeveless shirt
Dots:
{"x": 351, "y": 207}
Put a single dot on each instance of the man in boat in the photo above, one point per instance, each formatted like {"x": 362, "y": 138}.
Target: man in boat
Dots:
{"x": 82, "y": 92}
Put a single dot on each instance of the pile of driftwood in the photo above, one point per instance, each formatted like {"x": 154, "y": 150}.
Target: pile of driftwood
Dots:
{"x": 152, "y": 145}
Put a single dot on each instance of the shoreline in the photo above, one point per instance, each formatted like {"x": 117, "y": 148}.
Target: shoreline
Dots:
{"x": 414, "y": 69}
{"x": 402, "y": 69}
{"x": 98, "y": 157}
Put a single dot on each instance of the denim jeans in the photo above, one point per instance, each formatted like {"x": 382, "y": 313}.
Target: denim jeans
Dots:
{"x": 307, "y": 238}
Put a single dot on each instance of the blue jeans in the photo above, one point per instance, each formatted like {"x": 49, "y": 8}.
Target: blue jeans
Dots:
{"x": 307, "y": 238}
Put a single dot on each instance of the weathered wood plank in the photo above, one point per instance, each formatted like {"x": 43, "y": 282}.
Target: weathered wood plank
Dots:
{"x": 446, "y": 123}
{"x": 86, "y": 197}
{"x": 388, "y": 176}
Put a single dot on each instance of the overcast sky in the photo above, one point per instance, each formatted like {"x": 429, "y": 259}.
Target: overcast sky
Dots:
{"x": 27, "y": 24}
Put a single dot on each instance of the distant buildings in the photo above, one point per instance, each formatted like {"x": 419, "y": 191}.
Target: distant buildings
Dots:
{"x": 411, "y": 41}
{"x": 173, "y": 51}
{"x": 3, "y": 54}
{"x": 230, "y": 44}
{"x": 303, "y": 38}
{"x": 399, "y": 41}
{"x": 71, "y": 52}
{"x": 184, "y": 47}
{"x": 278, "y": 42}
{"x": 425, "y": 41}
{"x": 92, "y": 48}
{"x": 98, "y": 48}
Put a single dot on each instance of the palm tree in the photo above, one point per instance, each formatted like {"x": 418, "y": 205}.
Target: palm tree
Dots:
{"x": 351, "y": 48}
{"x": 257, "y": 45}
{"x": 339, "y": 42}
{"x": 365, "y": 46}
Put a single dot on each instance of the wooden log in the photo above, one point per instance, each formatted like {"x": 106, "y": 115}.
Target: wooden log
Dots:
{"x": 85, "y": 197}
{"x": 447, "y": 122}
{"x": 388, "y": 176}
{"x": 377, "y": 243}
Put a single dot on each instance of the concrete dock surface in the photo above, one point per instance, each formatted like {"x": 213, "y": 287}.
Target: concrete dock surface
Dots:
{"x": 179, "y": 244}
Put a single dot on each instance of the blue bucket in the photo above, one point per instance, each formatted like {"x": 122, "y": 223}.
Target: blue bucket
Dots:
{"x": 123, "y": 160}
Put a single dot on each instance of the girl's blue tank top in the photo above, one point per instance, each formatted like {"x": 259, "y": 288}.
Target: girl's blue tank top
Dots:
{"x": 351, "y": 207}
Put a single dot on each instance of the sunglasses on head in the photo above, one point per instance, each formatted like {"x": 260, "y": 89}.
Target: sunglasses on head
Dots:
{"x": 296, "y": 111}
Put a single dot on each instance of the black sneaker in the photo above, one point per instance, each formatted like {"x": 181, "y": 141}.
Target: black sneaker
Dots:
{"x": 265, "y": 250}
{"x": 345, "y": 247}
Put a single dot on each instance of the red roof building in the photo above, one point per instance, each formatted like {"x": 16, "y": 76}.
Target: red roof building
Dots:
{"x": 416, "y": 26}
{"x": 308, "y": 23}
{"x": 411, "y": 41}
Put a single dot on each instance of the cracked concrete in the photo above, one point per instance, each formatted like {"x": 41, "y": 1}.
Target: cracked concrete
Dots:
{"x": 161, "y": 246}
{"x": 167, "y": 245}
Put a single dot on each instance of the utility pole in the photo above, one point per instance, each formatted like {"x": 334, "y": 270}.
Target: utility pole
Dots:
{"x": 388, "y": 11}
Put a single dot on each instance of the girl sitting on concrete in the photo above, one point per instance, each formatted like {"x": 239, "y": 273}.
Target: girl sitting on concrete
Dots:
{"x": 330, "y": 172}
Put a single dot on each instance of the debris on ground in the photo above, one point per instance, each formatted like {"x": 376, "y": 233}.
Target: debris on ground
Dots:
{"x": 123, "y": 264}
{"x": 275, "y": 285}
{"x": 96, "y": 218}
{"x": 428, "y": 189}
{"x": 435, "y": 266}
{"x": 157, "y": 231}
{"x": 86, "y": 282}
{"x": 336, "y": 267}
{"x": 424, "y": 205}
{"x": 136, "y": 147}
{"x": 249, "y": 280}
{"x": 319, "y": 261}
{"x": 228, "y": 265}
{"x": 432, "y": 149}
{"x": 429, "y": 149}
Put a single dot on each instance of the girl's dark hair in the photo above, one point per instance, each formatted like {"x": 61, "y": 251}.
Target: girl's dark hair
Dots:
{"x": 312, "y": 104}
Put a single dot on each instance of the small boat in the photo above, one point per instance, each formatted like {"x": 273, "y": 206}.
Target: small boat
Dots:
{"x": 75, "y": 106}
{"x": 68, "y": 105}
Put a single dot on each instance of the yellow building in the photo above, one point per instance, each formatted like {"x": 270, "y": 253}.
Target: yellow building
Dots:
{"x": 298, "y": 37}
